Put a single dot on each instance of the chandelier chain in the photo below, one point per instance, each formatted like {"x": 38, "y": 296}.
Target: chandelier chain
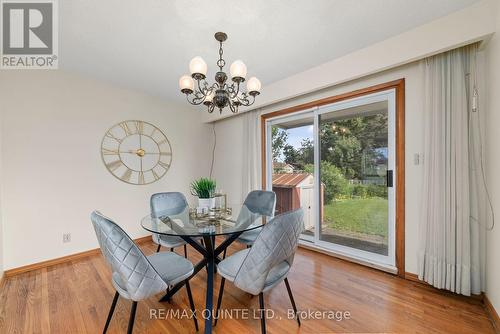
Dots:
{"x": 221, "y": 62}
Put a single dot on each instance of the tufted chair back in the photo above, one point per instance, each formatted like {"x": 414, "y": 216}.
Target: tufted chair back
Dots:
{"x": 131, "y": 269}
{"x": 168, "y": 204}
{"x": 258, "y": 203}
{"x": 261, "y": 202}
{"x": 276, "y": 243}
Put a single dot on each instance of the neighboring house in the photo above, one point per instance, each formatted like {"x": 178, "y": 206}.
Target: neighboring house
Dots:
{"x": 282, "y": 167}
{"x": 294, "y": 190}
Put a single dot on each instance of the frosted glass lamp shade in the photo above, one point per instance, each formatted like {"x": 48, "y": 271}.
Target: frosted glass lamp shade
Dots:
{"x": 198, "y": 66}
{"x": 209, "y": 98}
{"x": 253, "y": 85}
{"x": 238, "y": 70}
{"x": 186, "y": 84}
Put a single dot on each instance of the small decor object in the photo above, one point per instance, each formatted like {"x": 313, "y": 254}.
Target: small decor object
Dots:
{"x": 220, "y": 94}
{"x": 136, "y": 152}
{"x": 204, "y": 189}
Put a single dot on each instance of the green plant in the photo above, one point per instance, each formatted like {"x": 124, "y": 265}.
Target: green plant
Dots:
{"x": 204, "y": 187}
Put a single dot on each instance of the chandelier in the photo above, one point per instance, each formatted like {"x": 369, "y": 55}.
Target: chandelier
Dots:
{"x": 220, "y": 94}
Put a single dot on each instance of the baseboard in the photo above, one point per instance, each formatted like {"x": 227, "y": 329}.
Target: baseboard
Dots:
{"x": 59, "y": 260}
{"x": 414, "y": 278}
{"x": 492, "y": 313}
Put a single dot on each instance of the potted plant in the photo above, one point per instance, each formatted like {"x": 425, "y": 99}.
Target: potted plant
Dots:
{"x": 204, "y": 189}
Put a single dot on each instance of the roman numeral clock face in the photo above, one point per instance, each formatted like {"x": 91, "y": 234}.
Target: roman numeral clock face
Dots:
{"x": 136, "y": 152}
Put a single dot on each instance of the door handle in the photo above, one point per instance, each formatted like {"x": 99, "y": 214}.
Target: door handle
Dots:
{"x": 389, "y": 176}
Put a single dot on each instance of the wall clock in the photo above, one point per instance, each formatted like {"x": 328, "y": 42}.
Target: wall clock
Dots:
{"x": 136, "y": 152}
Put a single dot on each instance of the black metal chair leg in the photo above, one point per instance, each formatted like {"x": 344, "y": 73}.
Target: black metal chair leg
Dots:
{"x": 158, "y": 249}
{"x": 172, "y": 249}
{"x": 111, "y": 310}
{"x": 168, "y": 290}
{"x": 262, "y": 314}
{"x": 132, "y": 318}
{"x": 292, "y": 300}
{"x": 185, "y": 251}
{"x": 191, "y": 304}
{"x": 219, "y": 300}
{"x": 224, "y": 255}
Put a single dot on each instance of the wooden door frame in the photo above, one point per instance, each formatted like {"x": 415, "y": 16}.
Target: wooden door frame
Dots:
{"x": 399, "y": 86}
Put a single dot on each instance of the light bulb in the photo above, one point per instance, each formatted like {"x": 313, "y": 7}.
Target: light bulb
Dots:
{"x": 238, "y": 69}
{"x": 198, "y": 66}
{"x": 253, "y": 85}
{"x": 186, "y": 84}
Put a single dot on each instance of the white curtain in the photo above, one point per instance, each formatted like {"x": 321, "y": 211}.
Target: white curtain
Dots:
{"x": 251, "y": 179}
{"x": 450, "y": 241}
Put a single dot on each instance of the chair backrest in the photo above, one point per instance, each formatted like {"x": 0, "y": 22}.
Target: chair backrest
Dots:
{"x": 261, "y": 202}
{"x": 277, "y": 242}
{"x": 137, "y": 274}
{"x": 258, "y": 204}
{"x": 168, "y": 204}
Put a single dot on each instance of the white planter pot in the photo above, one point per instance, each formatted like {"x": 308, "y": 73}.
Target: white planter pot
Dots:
{"x": 208, "y": 203}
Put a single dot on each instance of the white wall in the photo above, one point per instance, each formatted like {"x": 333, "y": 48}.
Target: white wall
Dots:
{"x": 230, "y": 143}
{"x": 492, "y": 155}
{"x": 53, "y": 176}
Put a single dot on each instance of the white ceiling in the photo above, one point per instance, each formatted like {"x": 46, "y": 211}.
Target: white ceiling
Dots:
{"x": 146, "y": 45}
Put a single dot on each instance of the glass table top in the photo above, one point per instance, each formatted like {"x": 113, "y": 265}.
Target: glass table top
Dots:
{"x": 192, "y": 225}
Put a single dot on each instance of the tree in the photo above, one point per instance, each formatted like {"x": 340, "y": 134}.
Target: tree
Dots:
{"x": 292, "y": 156}
{"x": 332, "y": 177}
{"x": 279, "y": 138}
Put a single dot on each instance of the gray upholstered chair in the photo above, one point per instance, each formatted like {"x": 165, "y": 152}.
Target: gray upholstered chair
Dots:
{"x": 169, "y": 203}
{"x": 257, "y": 269}
{"x": 258, "y": 203}
{"x": 136, "y": 276}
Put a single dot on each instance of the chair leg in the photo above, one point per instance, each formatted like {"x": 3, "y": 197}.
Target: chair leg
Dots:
{"x": 191, "y": 304}
{"x": 292, "y": 300}
{"x": 132, "y": 318}
{"x": 185, "y": 251}
{"x": 262, "y": 314}
{"x": 110, "y": 314}
{"x": 224, "y": 255}
{"x": 158, "y": 249}
{"x": 169, "y": 300}
{"x": 219, "y": 300}
{"x": 172, "y": 249}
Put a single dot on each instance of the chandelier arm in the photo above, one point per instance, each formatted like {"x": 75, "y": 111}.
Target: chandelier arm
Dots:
{"x": 210, "y": 108}
{"x": 195, "y": 99}
{"x": 245, "y": 101}
{"x": 203, "y": 87}
{"x": 233, "y": 106}
{"x": 233, "y": 90}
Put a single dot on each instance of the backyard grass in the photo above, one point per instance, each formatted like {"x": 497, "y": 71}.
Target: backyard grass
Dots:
{"x": 368, "y": 216}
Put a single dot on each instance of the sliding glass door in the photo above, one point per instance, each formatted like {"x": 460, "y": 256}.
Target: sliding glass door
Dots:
{"x": 337, "y": 162}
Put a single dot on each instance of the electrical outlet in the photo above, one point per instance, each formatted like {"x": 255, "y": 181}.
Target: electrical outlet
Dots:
{"x": 416, "y": 159}
{"x": 66, "y": 237}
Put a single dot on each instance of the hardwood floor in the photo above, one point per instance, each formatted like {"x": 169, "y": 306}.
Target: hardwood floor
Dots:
{"x": 75, "y": 297}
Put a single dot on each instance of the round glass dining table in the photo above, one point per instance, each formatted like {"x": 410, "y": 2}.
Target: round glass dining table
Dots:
{"x": 193, "y": 228}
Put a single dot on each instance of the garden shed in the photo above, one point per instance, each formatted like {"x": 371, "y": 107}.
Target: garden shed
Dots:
{"x": 295, "y": 190}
